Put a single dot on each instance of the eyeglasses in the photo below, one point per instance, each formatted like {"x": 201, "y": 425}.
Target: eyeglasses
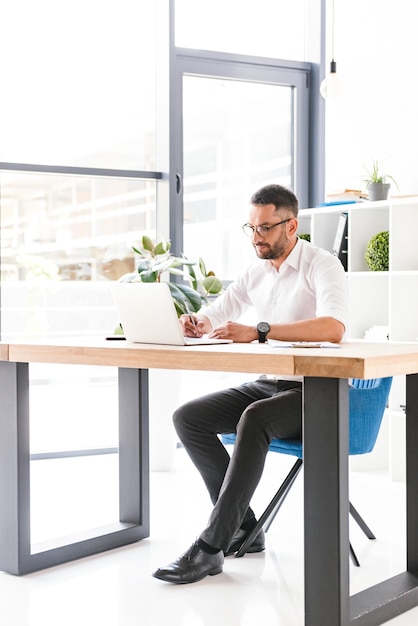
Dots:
{"x": 249, "y": 229}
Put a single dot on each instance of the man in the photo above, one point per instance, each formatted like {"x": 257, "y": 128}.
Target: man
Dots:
{"x": 299, "y": 294}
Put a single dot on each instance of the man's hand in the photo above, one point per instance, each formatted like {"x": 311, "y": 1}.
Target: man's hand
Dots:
{"x": 237, "y": 332}
{"x": 191, "y": 326}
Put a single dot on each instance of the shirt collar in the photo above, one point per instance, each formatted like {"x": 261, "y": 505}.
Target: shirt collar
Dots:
{"x": 293, "y": 259}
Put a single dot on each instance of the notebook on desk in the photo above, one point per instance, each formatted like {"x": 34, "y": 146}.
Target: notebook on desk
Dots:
{"x": 148, "y": 315}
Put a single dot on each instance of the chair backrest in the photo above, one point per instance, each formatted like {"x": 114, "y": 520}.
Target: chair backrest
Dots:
{"x": 367, "y": 402}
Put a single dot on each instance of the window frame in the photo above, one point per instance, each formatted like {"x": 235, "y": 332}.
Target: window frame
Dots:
{"x": 294, "y": 74}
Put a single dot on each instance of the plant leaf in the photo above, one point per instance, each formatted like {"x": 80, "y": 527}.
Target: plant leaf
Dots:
{"x": 137, "y": 251}
{"x": 162, "y": 248}
{"x": 148, "y": 276}
{"x": 177, "y": 271}
{"x": 162, "y": 265}
{"x": 147, "y": 243}
{"x": 184, "y": 261}
{"x": 212, "y": 284}
{"x": 202, "y": 267}
{"x": 180, "y": 293}
{"x": 142, "y": 266}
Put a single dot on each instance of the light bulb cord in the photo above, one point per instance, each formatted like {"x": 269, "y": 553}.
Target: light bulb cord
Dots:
{"x": 333, "y": 31}
{"x": 329, "y": 87}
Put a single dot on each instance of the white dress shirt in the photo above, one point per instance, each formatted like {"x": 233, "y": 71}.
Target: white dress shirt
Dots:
{"x": 311, "y": 282}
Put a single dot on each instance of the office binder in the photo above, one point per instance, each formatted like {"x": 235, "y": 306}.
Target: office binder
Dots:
{"x": 340, "y": 247}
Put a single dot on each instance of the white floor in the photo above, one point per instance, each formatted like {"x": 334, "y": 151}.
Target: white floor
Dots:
{"x": 116, "y": 588}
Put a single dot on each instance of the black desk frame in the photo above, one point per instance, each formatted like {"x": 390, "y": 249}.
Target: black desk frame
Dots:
{"x": 17, "y": 556}
{"x": 327, "y": 599}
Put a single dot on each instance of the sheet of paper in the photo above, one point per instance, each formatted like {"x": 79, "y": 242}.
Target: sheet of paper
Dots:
{"x": 302, "y": 344}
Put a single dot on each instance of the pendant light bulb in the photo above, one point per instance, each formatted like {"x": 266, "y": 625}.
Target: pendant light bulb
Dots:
{"x": 330, "y": 86}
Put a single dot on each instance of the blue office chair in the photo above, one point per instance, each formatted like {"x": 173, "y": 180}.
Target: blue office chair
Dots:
{"x": 367, "y": 402}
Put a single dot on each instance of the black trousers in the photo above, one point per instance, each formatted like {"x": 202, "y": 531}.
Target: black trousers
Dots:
{"x": 257, "y": 412}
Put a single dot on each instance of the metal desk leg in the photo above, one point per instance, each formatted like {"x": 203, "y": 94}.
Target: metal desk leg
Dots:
{"x": 14, "y": 467}
{"x": 134, "y": 448}
{"x": 325, "y": 437}
{"x": 327, "y": 601}
{"x": 412, "y": 472}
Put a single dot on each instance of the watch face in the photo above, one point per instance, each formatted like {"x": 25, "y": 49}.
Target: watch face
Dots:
{"x": 263, "y": 327}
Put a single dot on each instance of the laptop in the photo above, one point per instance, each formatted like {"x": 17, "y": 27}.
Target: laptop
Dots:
{"x": 148, "y": 315}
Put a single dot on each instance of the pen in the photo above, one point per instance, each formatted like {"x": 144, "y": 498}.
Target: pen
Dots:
{"x": 186, "y": 306}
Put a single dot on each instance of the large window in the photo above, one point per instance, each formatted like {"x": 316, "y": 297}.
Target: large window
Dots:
{"x": 63, "y": 239}
{"x": 237, "y": 137}
{"x": 244, "y": 123}
{"x": 77, "y": 188}
{"x": 78, "y": 83}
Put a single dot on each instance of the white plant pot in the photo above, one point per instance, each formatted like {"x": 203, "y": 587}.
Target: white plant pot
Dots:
{"x": 378, "y": 191}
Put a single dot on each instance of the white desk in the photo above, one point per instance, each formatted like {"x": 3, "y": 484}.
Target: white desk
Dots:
{"x": 327, "y": 599}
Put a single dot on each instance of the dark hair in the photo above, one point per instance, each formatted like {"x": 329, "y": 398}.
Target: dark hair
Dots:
{"x": 281, "y": 197}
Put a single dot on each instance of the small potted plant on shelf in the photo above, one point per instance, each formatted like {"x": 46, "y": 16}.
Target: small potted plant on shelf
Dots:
{"x": 155, "y": 260}
{"x": 377, "y": 183}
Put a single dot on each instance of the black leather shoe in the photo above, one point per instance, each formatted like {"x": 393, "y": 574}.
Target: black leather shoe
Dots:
{"x": 192, "y": 566}
{"x": 238, "y": 539}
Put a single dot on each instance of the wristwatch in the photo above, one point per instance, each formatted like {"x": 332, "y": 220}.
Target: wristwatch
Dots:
{"x": 263, "y": 328}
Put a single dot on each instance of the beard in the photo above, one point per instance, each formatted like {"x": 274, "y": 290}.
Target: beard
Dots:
{"x": 271, "y": 251}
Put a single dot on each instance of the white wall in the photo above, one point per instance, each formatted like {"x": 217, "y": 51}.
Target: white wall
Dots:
{"x": 376, "y": 49}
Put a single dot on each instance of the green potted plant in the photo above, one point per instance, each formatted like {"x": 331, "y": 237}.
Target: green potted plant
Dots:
{"x": 377, "y": 252}
{"x": 377, "y": 183}
{"x": 156, "y": 260}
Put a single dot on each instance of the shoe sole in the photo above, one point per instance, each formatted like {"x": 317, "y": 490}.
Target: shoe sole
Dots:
{"x": 213, "y": 572}
{"x": 251, "y": 549}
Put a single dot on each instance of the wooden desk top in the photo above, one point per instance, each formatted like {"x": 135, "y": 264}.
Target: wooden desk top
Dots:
{"x": 350, "y": 360}
{"x": 4, "y": 352}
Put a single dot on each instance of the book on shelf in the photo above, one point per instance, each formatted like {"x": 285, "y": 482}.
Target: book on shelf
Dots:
{"x": 340, "y": 247}
{"x": 355, "y": 195}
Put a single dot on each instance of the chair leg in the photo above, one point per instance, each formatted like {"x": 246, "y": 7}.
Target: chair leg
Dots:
{"x": 369, "y": 534}
{"x": 360, "y": 521}
{"x": 353, "y": 556}
{"x": 271, "y": 511}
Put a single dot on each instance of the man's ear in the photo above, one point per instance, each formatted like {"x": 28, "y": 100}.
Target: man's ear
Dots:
{"x": 293, "y": 226}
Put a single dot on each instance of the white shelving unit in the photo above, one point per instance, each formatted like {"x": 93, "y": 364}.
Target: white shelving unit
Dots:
{"x": 387, "y": 299}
